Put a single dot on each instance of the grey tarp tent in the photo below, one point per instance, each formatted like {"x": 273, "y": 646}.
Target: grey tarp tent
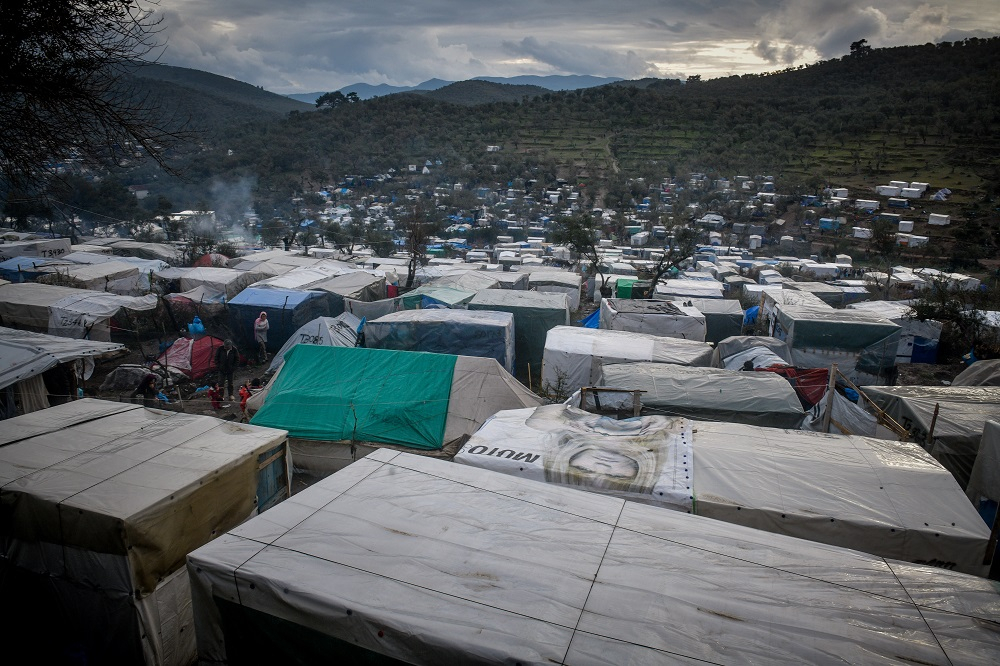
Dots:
{"x": 980, "y": 373}
{"x": 445, "y": 331}
{"x": 886, "y": 498}
{"x": 710, "y": 394}
{"x": 102, "y": 501}
{"x": 723, "y": 318}
{"x": 574, "y": 355}
{"x": 763, "y": 351}
{"x": 668, "y": 319}
{"x": 534, "y": 314}
{"x": 424, "y": 562}
{"x": 958, "y": 429}
{"x": 862, "y": 344}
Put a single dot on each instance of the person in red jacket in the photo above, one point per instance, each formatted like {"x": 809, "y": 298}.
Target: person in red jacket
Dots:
{"x": 245, "y": 394}
{"x": 215, "y": 395}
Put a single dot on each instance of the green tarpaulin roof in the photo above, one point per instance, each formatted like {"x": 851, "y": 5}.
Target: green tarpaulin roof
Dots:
{"x": 368, "y": 395}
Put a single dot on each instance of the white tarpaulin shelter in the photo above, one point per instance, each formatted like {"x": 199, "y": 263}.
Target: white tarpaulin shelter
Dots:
{"x": 426, "y": 562}
{"x": 710, "y": 394}
{"x": 654, "y": 317}
{"x": 862, "y": 344}
{"x": 962, "y": 412}
{"x": 64, "y": 311}
{"x": 762, "y": 351}
{"x": 984, "y": 482}
{"x": 550, "y": 281}
{"x": 102, "y": 502}
{"x": 227, "y": 281}
{"x": 912, "y": 329}
{"x": 886, "y": 498}
{"x": 339, "y": 331}
{"x": 573, "y": 355}
{"x": 113, "y": 276}
{"x": 678, "y": 290}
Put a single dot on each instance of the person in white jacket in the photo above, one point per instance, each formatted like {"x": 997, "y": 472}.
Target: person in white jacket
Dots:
{"x": 260, "y": 327}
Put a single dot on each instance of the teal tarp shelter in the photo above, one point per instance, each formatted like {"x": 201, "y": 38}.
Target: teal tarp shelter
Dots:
{"x": 340, "y": 403}
{"x": 429, "y": 295}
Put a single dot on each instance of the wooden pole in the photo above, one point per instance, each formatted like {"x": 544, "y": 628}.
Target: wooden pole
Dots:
{"x": 830, "y": 388}
{"x": 930, "y": 433}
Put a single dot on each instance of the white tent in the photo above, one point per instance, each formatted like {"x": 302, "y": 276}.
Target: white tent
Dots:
{"x": 573, "y": 356}
{"x": 64, "y": 311}
{"x": 423, "y": 561}
{"x": 912, "y": 329}
{"x": 653, "y": 316}
{"x": 102, "y": 502}
{"x": 339, "y": 331}
{"x": 887, "y": 498}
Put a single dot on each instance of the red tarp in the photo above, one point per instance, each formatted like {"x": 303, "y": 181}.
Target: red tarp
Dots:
{"x": 194, "y": 357}
{"x": 809, "y": 384}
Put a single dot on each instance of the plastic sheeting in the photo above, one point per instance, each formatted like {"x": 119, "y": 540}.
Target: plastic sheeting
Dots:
{"x": 226, "y": 281}
{"x": 102, "y": 503}
{"x": 862, "y": 344}
{"x": 25, "y": 354}
{"x": 466, "y": 332}
{"x": 732, "y": 352}
{"x": 287, "y": 310}
{"x": 677, "y": 290}
{"x": 886, "y": 498}
{"x": 912, "y": 330}
{"x": 654, "y": 317}
{"x": 534, "y": 314}
{"x": 441, "y": 563}
{"x": 573, "y": 356}
{"x": 447, "y": 296}
{"x": 548, "y": 281}
{"x": 643, "y": 459}
{"x": 723, "y": 318}
{"x": 87, "y": 314}
{"x": 984, "y": 481}
{"x": 339, "y": 331}
{"x": 471, "y": 281}
{"x": 709, "y": 394}
{"x": 959, "y": 426}
{"x": 478, "y": 389}
{"x": 980, "y": 373}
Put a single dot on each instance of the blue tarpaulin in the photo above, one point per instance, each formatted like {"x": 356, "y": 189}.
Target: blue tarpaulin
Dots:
{"x": 592, "y": 320}
{"x": 750, "y": 316}
{"x": 287, "y": 310}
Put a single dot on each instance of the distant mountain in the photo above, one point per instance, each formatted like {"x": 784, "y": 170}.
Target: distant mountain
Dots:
{"x": 471, "y": 93}
{"x": 225, "y": 91}
{"x": 549, "y": 83}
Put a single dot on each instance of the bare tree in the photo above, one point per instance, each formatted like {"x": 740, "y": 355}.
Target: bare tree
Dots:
{"x": 418, "y": 227}
{"x": 681, "y": 243}
{"x": 67, "y": 89}
{"x": 580, "y": 232}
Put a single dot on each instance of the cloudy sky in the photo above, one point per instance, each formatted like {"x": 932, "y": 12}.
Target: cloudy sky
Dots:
{"x": 322, "y": 45}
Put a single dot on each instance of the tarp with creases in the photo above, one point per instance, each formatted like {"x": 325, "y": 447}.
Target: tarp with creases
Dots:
{"x": 652, "y": 316}
{"x": 447, "y": 296}
{"x": 226, "y": 281}
{"x": 573, "y": 355}
{"x": 732, "y": 352}
{"x": 980, "y": 373}
{"x": 984, "y": 481}
{"x": 402, "y": 410}
{"x": 556, "y": 282}
{"x": 122, "y": 494}
{"x": 466, "y": 281}
{"x": 445, "y": 331}
{"x": 440, "y": 563}
{"x": 534, "y": 314}
{"x": 723, "y": 318}
{"x": 890, "y": 499}
{"x": 862, "y": 344}
{"x": 958, "y": 429}
{"x": 24, "y": 354}
{"x": 339, "y": 331}
{"x": 709, "y": 394}
{"x": 113, "y": 276}
{"x": 677, "y": 290}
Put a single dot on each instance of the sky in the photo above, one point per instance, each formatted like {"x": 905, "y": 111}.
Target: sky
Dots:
{"x": 322, "y": 45}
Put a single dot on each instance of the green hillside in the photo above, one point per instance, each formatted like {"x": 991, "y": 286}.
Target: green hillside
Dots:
{"x": 471, "y": 93}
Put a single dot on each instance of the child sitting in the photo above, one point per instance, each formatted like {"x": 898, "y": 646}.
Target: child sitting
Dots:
{"x": 215, "y": 395}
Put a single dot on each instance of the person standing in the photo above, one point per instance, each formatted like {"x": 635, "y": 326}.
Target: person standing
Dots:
{"x": 146, "y": 389}
{"x": 260, "y": 327}
{"x": 226, "y": 360}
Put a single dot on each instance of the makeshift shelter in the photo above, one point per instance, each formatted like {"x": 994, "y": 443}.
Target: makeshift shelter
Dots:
{"x": 194, "y": 357}
{"x": 146, "y": 267}
{"x": 102, "y": 503}
{"x": 25, "y": 269}
{"x": 862, "y": 344}
{"x": 534, "y": 314}
{"x": 984, "y": 482}
{"x": 226, "y": 281}
{"x": 430, "y": 296}
{"x": 440, "y": 563}
{"x": 890, "y": 499}
{"x": 373, "y": 309}
{"x": 764, "y": 352}
{"x": 679, "y": 290}
{"x": 370, "y": 398}
{"x": 466, "y": 281}
{"x": 548, "y": 281}
{"x": 511, "y": 280}
{"x": 113, "y": 276}
{"x": 828, "y": 293}
{"x": 710, "y": 394}
{"x": 25, "y": 356}
{"x": 918, "y": 340}
{"x": 957, "y": 412}
{"x": 573, "y": 356}
{"x": 723, "y": 318}
{"x": 64, "y": 311}
{"x": 357, "y": 286}
{"x": 980, "y": 373}
{"x": 339, "y": 331}
{"x": 669, "y": 319}
{"x": 47, "y": 248}
{"x": 466, "y": 332}
{"x": 211, "y": 260}
{"x": 287, "y": 310}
